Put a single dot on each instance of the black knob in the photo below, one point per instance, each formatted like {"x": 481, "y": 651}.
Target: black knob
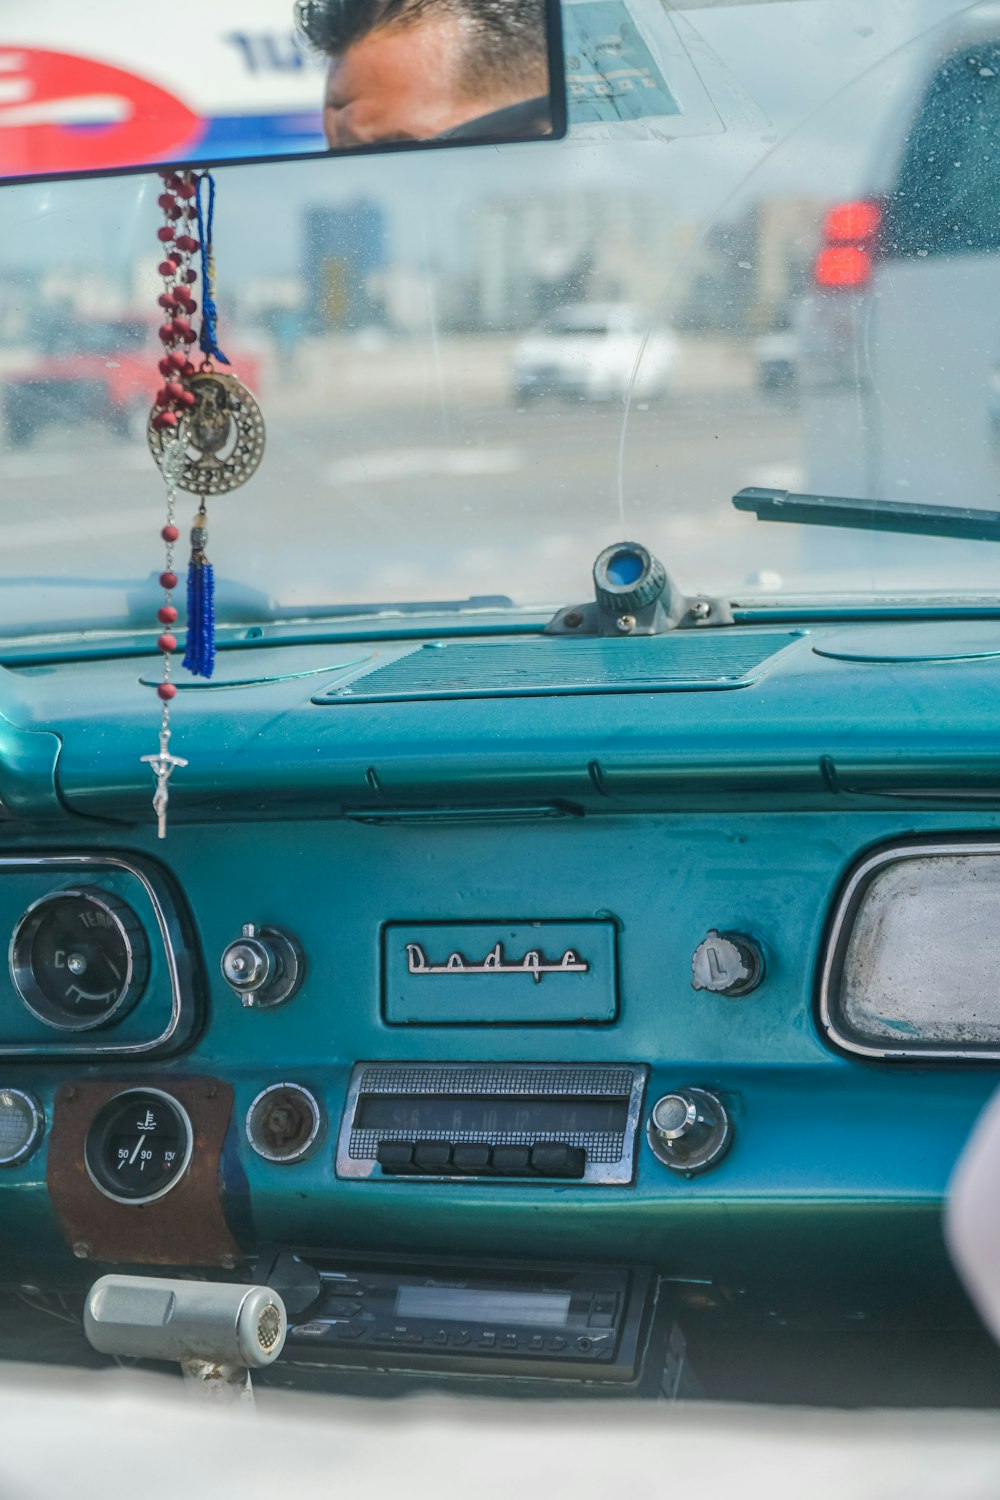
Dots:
{"x": 627, "y": 577}
{"x": 727, "y": 963}
{"x": 689, "y": 1130}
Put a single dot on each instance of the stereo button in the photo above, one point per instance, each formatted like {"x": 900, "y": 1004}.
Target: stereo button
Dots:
{"x": 470, "y": 1158}
{"x": 395, "y": 1157}
{"x": 487, "y": 1340}
{"x": 510, "y": 1341}
{"x": 536, "y": 1341}
{"x": 557, "y": 1343}
{"x": 513, "y": 1161}
{"x": 432, "y": 1156}
{"x": 559, "y": 1160}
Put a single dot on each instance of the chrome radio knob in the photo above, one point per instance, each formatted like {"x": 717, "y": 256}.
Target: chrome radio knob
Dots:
{"x": 264, "y": 966}
{"x": 689, "y": 1130}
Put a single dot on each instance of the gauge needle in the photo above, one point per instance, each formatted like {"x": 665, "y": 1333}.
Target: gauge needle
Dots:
{"x": 135, "y": 1153}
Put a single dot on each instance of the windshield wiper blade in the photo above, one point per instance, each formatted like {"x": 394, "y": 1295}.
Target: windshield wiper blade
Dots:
{"x": 900, "y": 516}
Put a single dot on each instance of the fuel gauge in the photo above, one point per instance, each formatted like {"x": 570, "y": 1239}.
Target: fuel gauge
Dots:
{"x": 139, "y": 1146}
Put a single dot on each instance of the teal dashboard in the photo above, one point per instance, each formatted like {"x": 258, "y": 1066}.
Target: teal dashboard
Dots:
{"x": 658, "y": 973}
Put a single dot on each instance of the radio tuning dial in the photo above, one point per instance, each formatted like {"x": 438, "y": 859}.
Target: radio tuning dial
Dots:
{"x": 264, "y": 966}
{"x": 689, "y": 1130}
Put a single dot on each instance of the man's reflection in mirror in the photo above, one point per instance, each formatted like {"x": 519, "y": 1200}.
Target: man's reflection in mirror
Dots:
{"x": 404, "y": 70}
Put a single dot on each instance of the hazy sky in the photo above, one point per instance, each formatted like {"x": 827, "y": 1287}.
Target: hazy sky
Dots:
{"x": 818, "y": 76}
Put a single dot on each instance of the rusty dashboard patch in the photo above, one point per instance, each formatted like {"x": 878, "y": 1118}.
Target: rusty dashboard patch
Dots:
{"x": 186, "y": 1227}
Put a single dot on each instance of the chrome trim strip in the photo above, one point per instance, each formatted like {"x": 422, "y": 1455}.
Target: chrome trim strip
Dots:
{"x": 827, "y": 984}
{"x": 596, "y": 1174}
{"x": 90, "y": 1049}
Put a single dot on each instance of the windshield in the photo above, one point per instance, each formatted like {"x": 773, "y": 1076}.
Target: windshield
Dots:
{"x": 799, "y": 251}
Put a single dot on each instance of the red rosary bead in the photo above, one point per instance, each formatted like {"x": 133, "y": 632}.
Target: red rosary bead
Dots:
{"x": 166, "y": 691}
{"x": 166, "y": 268}
{"x": 162, "y": 397}
{"x": 190, "y": 275}
{"x": 168, "y": 580}
{"x": 176, "y": 361}
{"x": 165, "y": 368}
{"x": 166, "y": 235}
{"x": 164, "y": 419}
{"x": 180, "y": 327}
{"x": 167, "y": 642}
{"x": 189, "y": 369}
{"x": 170, "y": 533}
{"x": 174, "y": 390}
{"x": 166, "y": 334}
{"x": 185, "y": 242}
{"x": 187, "y": 398}
{"x": 166, "y": 614}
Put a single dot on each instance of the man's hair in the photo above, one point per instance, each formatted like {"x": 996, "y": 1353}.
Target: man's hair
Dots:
{"x": 504, "y": 39}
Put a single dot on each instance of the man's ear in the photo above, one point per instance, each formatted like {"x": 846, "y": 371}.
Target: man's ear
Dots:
{"x": 972, "y": 1216}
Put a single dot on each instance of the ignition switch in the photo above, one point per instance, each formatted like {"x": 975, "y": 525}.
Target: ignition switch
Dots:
{"x": 264, "y": 966}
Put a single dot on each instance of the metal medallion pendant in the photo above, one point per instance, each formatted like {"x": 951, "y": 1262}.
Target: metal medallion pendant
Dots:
{"x": 222, "y": 435}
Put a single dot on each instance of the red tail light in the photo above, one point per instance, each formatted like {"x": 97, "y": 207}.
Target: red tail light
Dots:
{"x": 850, "y": 232}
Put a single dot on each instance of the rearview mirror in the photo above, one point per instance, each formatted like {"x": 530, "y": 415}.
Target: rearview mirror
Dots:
{"x": 112, "y": 87}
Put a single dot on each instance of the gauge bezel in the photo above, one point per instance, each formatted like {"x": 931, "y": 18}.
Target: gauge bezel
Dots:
{"x": 315, "y": 1135}
{"x": 97, "y": 1136}
{"x": 37, "y": 1127}
{"x": 30, "y": 991}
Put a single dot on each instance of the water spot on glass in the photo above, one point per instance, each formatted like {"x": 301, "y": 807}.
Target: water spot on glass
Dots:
{"x": 864, "y": 30}
{"x": 987, "y": 73}
{"x": 744, "y": 265}
{"x": 922, "y": 254}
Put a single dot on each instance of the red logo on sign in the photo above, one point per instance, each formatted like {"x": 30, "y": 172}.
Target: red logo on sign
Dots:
{"x": 60, "y": 113}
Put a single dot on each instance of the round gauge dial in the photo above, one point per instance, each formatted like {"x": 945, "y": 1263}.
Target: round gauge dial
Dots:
{"x": 139, "y": 1146}
{"x": 79, "y": 958}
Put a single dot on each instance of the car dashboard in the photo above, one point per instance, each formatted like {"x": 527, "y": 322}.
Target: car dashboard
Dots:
{"x": 516, "y": 1006}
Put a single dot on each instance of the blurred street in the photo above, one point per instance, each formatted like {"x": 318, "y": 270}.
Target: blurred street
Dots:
{"x": 406, "y": 471}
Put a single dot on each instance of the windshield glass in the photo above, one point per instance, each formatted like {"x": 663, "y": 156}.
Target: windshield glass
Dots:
{"x": 786, "y": 277}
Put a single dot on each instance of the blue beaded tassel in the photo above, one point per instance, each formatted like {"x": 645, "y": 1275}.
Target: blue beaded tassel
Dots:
{"x": 199, "y": 657}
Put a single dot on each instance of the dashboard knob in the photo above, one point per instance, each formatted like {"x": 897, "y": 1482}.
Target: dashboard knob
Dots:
{"x": 689, "y": 1130}
{"x": 727, "y": 963}
{"x": 264, "y": 966}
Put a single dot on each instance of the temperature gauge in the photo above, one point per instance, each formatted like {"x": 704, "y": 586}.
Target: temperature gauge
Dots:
{"x": 79, "y": 959}
{"x": 139, "y": 1146}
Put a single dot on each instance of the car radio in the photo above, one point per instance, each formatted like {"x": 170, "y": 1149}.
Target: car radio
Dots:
{"x": 579, "y": 1323}
{"x": 531, "y": 1121}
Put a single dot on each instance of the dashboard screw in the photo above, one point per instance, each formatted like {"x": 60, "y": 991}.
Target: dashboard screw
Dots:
{"x": 625, "y": 623}
{"x": 228, "y": 1263}
{"x": 701, "y": 609}
{"x": 81, "y": 1249}
{"x": 573, "y": 619}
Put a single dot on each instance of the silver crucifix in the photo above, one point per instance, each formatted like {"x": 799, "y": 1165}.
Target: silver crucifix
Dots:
{"x": 162, "y": 765}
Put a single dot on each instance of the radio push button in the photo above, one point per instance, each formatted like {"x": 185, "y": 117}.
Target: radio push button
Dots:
{"x": 559, "y": 1160}
{"x": 512, "y": 1161}
{"x": 470, "y": 1158}
{"x": 395, "y": 1157}
{"x": 432, "y": 1156}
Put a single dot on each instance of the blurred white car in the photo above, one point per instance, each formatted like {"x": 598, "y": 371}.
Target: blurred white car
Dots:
{"x": 594, "y": 352}
{"x": 900, "y": 345}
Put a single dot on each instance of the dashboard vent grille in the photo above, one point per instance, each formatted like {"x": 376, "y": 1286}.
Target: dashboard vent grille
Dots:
{"x": 547, "y": 666}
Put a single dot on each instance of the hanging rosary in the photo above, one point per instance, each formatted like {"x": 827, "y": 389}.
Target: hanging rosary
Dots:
{"x": 205, "y": 432}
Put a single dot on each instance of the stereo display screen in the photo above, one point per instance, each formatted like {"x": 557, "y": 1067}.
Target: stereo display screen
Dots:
{"x": 481, "y": 1304}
